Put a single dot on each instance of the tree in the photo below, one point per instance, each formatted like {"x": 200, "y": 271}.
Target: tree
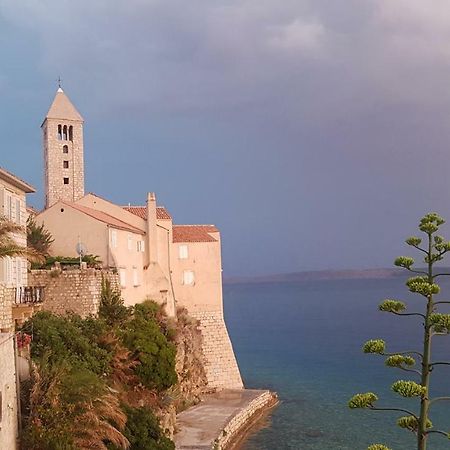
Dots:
{"x": 143, "y": 336}
{"x": 111, "y": 308}
{"x": 38, "y": 237}
{"x": 434, "y": 323}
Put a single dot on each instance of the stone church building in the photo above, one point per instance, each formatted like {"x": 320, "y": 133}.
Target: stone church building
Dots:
{"x": 176, "y": 265}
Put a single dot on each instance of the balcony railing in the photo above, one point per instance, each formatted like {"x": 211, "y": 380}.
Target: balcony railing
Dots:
{"x": 26, "y": 295}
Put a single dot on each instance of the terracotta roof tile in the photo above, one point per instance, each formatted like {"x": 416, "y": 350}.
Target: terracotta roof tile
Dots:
{"x": 141, "y": 211}
{"x": 105, "y": 218}
{"x": 194, "y": 233}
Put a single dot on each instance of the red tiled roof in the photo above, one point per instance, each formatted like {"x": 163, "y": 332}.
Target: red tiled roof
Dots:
{"x": 105, "y": 218}
{"x": 194, "y": 233}
{"x": 141, "y": 211}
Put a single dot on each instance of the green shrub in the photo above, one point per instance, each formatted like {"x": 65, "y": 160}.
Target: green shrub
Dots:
{"x": 142, "y": 335}
{"x": 64, "y": 339}
{"x": 112, "y": 309}
{"x": 143, "y": 431}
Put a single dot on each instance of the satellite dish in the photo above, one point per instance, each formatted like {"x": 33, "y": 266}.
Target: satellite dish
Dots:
{"x": 81, "y": 249}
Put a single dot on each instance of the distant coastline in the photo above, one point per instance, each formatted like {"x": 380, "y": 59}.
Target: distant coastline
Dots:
{"x": 364, "y": 274}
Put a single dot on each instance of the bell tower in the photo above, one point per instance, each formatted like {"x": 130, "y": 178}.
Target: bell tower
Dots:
{"x": 62, "y": 132}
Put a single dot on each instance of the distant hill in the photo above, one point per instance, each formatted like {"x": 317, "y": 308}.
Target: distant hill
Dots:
{"x": 320, "y": 275}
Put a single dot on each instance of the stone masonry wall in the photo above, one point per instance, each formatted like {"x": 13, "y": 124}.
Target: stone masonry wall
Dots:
{"x": 6, "y": 303}
{"x": 242, "y": 420}
{"x": 76, "y": 291}
{"x": 8, "y": 390}
{"x": 221, "y": 367}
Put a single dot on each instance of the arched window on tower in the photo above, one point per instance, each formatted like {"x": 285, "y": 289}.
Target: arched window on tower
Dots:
{"x": 65, "y": 149}
{"x": 71, "y": 133}
{"x": 59, "y": 133}
{"x": 65, "y": 133}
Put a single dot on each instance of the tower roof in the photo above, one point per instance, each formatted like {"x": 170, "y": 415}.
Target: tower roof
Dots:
{"x": 62, "y": 108}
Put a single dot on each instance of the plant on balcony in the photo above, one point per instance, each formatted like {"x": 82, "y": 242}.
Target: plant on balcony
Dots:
{"x": 38, "y": 237}
{"x": 418, "y": 363}
{"x": 8, "y": 245}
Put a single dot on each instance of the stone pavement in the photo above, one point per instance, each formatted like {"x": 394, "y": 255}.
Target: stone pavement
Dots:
{"x": 218, "y": 419}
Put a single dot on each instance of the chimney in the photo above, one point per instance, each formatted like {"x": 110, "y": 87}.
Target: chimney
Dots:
{"x": 152, "y": 249}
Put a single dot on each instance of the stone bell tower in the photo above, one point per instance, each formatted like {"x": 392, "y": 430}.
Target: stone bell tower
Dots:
{"x": 63, "y": 151}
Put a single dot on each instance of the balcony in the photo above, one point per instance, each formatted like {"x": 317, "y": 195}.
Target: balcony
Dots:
{"x": 29, "y": 295}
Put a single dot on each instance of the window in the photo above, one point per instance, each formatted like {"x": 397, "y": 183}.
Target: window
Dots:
{"x": 9, "y": 206}
{"x": 7, "y": 270}
{"x": 18, "y": 211}
{"x": 66, "y": 180}
{"x": 183, "y": 252}
{"x": 114, "y": 238}
{"x": 65, "y": 164}
{"x": 130, "y": 242}
{"x": 123, "y": 277}
{"x": 135, "y": 277}
{"x": 71, "y": 133}
{"x": 65, "y": 132}
{"x": 65, "y": 149}
{"x": 19, "y": 271}
{"x": 140, "y": 246}
{"x": 188, "y": 277}
{"x": 59, "y": 132}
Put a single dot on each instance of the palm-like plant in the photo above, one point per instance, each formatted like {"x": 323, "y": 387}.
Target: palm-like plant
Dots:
{"x": 8, "y": 245}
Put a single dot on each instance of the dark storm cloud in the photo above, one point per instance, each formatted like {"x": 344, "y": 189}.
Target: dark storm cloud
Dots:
{"x": 305, "y": 129}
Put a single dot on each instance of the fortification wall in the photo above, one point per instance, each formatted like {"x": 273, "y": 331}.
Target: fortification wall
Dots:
{"x": 76, "y": 291}
{"x": 6, "y": 303}
{"x": 222, "y": 371}
{"x": 9, "y": 409}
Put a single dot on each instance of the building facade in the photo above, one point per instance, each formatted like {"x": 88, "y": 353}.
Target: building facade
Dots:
{"x": 13, "y": 190}
{"x": 175, "y": 265}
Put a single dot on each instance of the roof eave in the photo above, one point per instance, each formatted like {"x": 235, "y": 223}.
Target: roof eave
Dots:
{"x": 10, "y": 178}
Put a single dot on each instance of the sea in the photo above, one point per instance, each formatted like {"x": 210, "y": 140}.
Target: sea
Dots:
{"x": 304, "y": 341}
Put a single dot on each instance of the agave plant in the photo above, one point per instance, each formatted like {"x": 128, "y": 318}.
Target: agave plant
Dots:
{"x": 418, "y": 363}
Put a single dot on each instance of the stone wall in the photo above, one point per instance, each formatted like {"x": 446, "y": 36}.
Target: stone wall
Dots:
{"x": 243, "y": 420}
{"x": 76, "y": 291}
{"x": 221, "y": 367}
{"x": 6, "y": 303}
{"x": 8, "y": 391}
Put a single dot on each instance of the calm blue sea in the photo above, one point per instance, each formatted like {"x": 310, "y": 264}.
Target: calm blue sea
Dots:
{"x": 303, "y": 340}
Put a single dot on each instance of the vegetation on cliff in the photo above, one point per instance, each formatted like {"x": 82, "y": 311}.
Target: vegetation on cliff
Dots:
{"x": 98, "y": 382}
{"x": 418, "y": 363}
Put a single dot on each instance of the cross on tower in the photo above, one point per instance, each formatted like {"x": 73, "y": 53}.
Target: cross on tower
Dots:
{"x": 59, "y": 82}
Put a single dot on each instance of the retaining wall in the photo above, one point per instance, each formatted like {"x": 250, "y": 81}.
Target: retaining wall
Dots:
{"x": 221, "y": 368}
{"x": 243, "y": 420}
{"x": 6, "y": 303}
{"x": 75, "y": 290}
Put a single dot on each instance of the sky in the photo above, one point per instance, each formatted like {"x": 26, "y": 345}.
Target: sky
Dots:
{"x": 314, "y": 133}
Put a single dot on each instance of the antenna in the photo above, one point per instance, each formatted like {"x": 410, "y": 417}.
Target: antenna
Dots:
{"x": 81, "y": 250}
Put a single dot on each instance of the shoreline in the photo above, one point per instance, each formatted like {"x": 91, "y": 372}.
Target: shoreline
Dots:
{"x": 224, "y": 420}
{"x": 255, "y": 423}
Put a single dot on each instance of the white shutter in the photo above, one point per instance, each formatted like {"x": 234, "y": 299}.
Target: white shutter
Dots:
{"x": 183, "y": 252}
{"x": 113, "y": 238}
{"x": 123, "y": 277}
{"x": 188, "y": 277}
{"x": 18, "y": 271}
{"x": 18, "y": 218}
